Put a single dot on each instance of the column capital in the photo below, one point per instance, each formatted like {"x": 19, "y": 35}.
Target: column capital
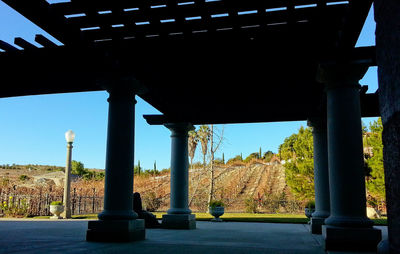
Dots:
{"x": 117, "y": 93}
{"x": 335, "y": 75}
{"x": 317, "y": 123}
{"x": 179, "y": 128}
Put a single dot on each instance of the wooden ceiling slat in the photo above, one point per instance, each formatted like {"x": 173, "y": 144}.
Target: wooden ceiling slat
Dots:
{"x": 76, "y": 7}
{"x": 139, "y": 17}
{"x": 306, "y": 15}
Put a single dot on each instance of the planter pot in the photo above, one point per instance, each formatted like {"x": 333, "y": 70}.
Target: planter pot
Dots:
{"x": 309, "y": 211}
{"x": 56, "y": 210}
{"x": 216, "y": 212}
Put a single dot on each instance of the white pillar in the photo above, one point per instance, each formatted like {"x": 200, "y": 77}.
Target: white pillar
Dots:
{"x": 118, "y": 221}
{"x": 321, "y": 175}
{"x": 347, "y": 228}
{"x": 179, "y": 215}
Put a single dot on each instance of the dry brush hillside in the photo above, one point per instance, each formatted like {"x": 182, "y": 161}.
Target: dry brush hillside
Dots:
{"x": 257, "y": 181}
{"x": 233, "y": 184}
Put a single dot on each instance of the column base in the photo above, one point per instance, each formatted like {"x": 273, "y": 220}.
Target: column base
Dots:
{"x": 179, "y": 221}
{"x": 351, "y": 239}
{"x": 115, "y": 231}
{"x": 316, "y": 225}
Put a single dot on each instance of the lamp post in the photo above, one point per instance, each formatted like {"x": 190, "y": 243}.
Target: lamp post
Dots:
{"x": 69, "y": 136}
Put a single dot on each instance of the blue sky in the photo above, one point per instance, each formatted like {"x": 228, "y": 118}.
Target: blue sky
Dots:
{"x": 32, "y": 127}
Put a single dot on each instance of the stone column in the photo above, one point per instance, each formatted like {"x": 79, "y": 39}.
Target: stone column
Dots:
{"x": 179, "y": 215}
{"x": 347, "y": 228}
{"x": 387, "y": 13}
{"x": 321, "y": 175}
{"x": 118, "y": 221}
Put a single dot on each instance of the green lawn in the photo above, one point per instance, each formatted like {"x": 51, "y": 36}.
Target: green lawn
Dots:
{"x": 236, "y": 217}
{"x": 81, "y": 216}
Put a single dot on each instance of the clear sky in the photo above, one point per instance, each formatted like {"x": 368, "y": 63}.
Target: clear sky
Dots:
{"x": 32, "y": 127}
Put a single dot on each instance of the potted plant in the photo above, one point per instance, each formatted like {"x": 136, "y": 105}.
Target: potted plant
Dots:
{"x": 309, "y": 208}
{"x": 56, "y": 208}
{"x": 216, "y": 208}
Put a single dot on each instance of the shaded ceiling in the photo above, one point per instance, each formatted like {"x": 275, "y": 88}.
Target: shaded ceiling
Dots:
{"x": 214, "y": 61}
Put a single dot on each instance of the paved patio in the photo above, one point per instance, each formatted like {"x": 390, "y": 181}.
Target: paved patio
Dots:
{"x": 68, "y": 236}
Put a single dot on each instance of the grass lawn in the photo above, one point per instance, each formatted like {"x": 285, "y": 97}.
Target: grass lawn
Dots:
{"x": 81, "y": 216}
{"x": 235, "y": 217}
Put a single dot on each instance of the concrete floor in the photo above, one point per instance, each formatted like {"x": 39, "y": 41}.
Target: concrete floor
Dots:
{"x": 68, "y": 236}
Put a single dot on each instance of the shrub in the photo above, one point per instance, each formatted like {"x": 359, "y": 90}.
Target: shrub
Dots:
{"x": 215, "y": 203}
{"x": 237, "y": 158}
{"x": 4, "y": 181}
{"x": 251, "y": 157}
{"x": 23, "y": 177}
{"x": 310, "y": 204}
{"x": 151, "y": 201}
{"x": 56, "y": 203}
{"x": 12, "y": 209}
{"x": 251, "y": 205}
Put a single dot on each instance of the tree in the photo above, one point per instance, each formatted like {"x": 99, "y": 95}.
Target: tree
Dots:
{"x": 235, "y": 159}
{"x": 376, "y": 182}
{"x": 77, "y": 168}
{"x": 204, "y": 136}
{"x": 213, "y": 149}
{"x": 298, "y": 151}
{"x": 268, "y": 156}
{"x": 252, "y": 156}
{"x": 193, "y": 140}
{"x": 137, "y": 169}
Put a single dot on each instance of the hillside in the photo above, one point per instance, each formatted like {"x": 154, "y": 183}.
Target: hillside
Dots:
{"x": 234, "y": 184}
{"x": 258, "y": 184}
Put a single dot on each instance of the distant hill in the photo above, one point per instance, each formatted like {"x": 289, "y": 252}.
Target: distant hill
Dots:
{"x": 239, "y": 185}
{"x": 234, "y": 184}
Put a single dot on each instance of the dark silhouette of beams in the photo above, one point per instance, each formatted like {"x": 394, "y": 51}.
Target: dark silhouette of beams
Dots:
{"x": 23, "y": 43}
{"x": 7, "y": 47}
{"x": 44, "y": 41}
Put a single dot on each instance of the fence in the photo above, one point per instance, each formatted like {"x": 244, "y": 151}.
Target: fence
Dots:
{"x": 17, "y": 203}
{"x": 39, "y": 204}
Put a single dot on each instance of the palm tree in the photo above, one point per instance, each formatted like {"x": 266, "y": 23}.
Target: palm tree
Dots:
{"x": 204, "y": 134}
{"x": 192, "y": 144}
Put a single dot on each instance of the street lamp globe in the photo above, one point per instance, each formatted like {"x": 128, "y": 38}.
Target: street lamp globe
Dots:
{"x": 70, "y": 136}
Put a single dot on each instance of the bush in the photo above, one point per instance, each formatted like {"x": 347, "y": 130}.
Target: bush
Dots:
{"x": 23, "y": 177}
{"x": 251, "y": 157}
{"x": 151, "y": 201}
{"x": 251, "y": 205}
{"x": 215, "y": 203}
{"x": 310, "y": 204}
{"x": 56, "y": 203}
{"x": 219, "y": 161}
{"x": 4, "y": 181}
{"x": 12, "y": 209}
{"x": 237, "y": 158}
